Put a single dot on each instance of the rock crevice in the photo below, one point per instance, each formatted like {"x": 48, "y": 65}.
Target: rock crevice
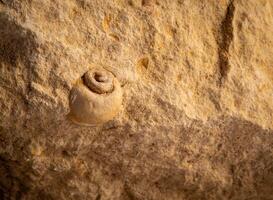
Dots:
{"x": 226, "y": 31}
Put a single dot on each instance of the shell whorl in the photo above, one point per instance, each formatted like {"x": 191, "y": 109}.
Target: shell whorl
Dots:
{"x": 99, "y": 81}
{"x": 96, "y": 98}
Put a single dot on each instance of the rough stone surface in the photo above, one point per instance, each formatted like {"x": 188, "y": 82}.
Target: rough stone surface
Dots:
{"x": 197, "y": 114}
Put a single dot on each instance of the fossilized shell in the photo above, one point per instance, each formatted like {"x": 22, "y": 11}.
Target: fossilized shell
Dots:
{"x": 96, "y": 98}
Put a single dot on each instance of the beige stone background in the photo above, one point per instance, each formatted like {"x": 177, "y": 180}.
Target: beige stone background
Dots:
{"x": 197, "y": 114}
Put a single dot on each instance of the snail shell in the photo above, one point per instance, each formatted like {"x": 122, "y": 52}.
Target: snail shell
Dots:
{"x": 96, "y": 98}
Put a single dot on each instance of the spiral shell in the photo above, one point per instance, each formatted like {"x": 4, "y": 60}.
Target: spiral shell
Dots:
{"x": 99, "y": 81}
{"x": 96, "y": 98}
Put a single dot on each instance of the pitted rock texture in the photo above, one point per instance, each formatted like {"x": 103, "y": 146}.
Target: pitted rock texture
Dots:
{"x": 197, "y": 113}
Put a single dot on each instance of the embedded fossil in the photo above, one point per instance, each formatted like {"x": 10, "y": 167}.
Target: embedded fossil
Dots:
{"x": 96, "y": 98}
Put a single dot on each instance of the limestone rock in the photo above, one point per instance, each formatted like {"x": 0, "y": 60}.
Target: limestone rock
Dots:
{"x": 196, "y": 120}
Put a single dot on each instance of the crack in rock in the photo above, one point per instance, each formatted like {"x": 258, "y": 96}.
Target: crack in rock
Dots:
{"x": 226, "y": 32}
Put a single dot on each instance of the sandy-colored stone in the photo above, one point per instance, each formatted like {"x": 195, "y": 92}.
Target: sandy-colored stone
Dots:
{"x": 197, "y": 115}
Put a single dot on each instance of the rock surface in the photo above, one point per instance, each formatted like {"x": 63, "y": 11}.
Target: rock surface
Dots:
{"x": 197, "y": 114}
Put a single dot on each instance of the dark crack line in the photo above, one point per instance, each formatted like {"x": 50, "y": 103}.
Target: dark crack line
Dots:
{"x": 226, "y": 31}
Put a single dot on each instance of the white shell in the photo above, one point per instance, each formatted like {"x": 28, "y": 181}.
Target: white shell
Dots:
{"x": 96, "y": 98}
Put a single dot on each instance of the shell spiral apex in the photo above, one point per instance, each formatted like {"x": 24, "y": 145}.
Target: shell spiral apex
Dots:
{"x": 96, "y": 98}
{"x": 99, "y": 81}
